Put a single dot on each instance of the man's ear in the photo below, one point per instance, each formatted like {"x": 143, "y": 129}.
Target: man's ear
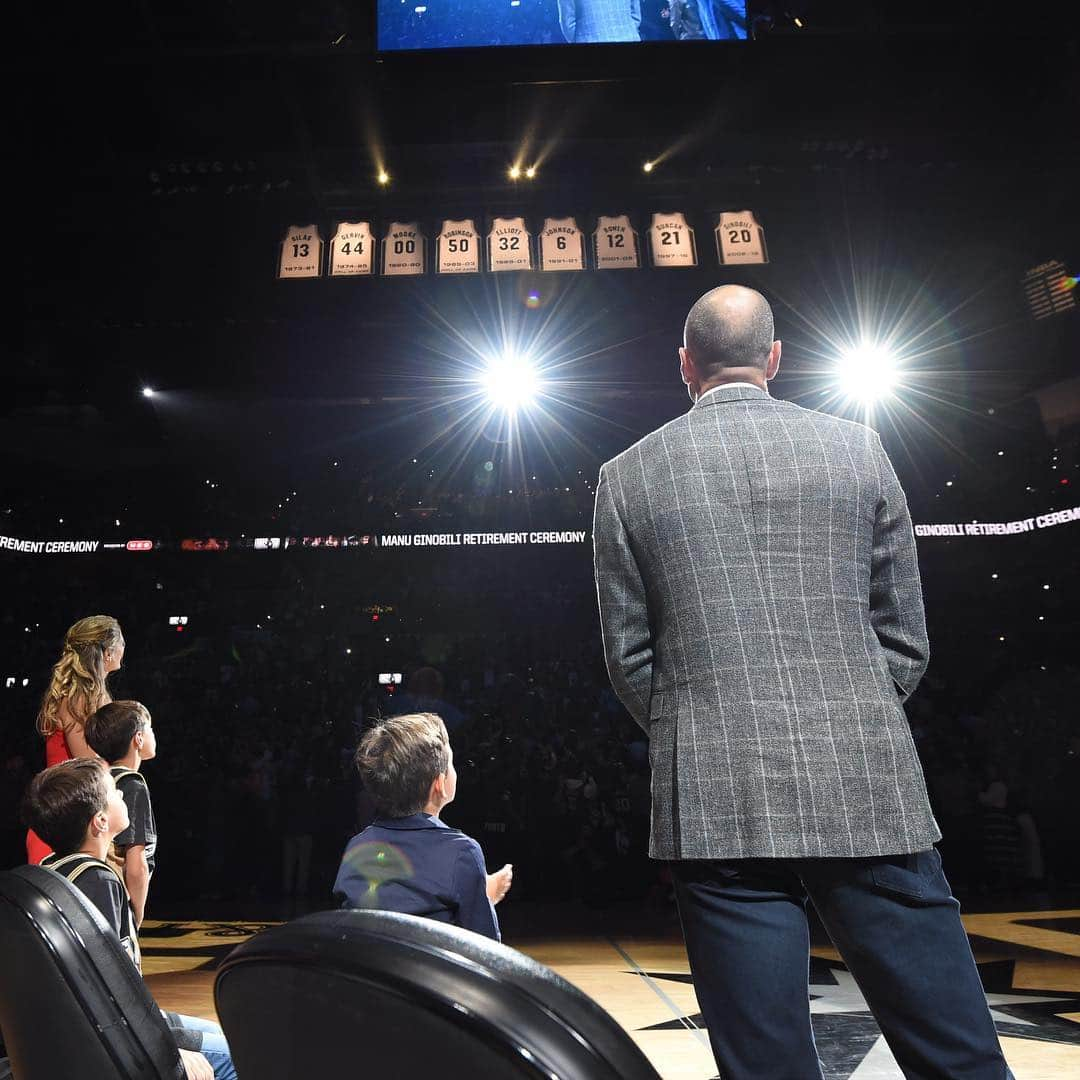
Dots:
{"x": 686, "y": 366}
{"x": 773, "y": 365}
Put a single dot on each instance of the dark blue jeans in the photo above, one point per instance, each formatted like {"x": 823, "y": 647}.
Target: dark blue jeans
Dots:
{"x": 895, "y": 923}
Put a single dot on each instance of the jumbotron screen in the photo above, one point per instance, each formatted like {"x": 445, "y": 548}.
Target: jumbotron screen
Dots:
{"x": 455, "y": 24}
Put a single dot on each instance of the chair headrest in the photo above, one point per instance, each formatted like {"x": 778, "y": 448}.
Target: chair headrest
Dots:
{"x": 63, "y": 962}
{"x": 479, "y": 984}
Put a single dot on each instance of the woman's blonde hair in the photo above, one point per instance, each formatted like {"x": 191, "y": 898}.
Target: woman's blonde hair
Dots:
{"x": 78, "y": 677}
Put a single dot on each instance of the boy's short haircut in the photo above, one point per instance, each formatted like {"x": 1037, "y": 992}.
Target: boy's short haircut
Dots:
{"x": 63, "y": 798}
{"x": 398, "y": 758}
{"x": 110, "y": 730}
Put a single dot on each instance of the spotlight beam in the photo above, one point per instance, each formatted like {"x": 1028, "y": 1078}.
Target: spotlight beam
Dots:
{"x": 867, "y": 374}
{"x": 510, "y": 382}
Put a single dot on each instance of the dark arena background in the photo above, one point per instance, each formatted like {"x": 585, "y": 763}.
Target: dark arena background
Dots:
{"x": 313, "y": 500}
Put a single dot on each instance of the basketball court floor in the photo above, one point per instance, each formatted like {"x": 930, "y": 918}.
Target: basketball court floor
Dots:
{"x": 1030, "y": 964}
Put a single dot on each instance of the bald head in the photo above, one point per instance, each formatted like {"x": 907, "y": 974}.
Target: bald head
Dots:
{"x": 729, "y": 327}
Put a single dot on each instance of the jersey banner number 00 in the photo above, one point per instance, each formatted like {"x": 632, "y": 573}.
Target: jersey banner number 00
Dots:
{"x": 403, "y": 250}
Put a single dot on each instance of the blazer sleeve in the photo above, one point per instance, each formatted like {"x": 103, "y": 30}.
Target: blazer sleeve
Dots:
{"x": 624, "y": 609}
{"x": 896, "y": 600}
{"x": 568, "y": 18}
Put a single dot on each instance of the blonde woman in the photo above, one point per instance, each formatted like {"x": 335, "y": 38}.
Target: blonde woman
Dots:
{"x": 93, "y": 650}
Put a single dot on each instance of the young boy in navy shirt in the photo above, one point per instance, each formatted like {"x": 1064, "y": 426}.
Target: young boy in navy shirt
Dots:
{"x": 407, "y": 860}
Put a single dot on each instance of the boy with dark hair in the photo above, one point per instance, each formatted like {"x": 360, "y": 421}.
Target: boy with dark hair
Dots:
{"x": 122, "y": 733}
{"x": 407, "y": 860}
{"x": 77, "y": 809}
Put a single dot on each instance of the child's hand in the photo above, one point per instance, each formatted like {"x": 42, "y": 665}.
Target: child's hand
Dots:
{"x": 498, "y": 884}
{"x": 196, "y": 1067}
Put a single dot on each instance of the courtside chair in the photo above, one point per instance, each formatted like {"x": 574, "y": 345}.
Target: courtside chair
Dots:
{"x": 377, "y": 994}
{"x": 72, "y": 1004}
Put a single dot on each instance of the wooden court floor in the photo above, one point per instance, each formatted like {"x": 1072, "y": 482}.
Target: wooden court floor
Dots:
{"x": 1030, "y": 963}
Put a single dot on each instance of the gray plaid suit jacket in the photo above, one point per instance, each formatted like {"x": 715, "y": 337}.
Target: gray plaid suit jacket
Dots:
{"x": 600, "y": 20}
{"x": 763, "y": 622}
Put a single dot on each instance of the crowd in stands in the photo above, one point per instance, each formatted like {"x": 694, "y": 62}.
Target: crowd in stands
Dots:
{"x": 261, "y": 696}
{"x": 339, "y": 499}
{"x": 1011, "y": 470}
{"x": 260, "y": 724}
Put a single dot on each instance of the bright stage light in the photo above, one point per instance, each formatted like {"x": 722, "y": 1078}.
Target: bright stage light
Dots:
{"x": 867, "y": 374}
{"x": 510, "y": 382}
{"x": 147, "y": 391}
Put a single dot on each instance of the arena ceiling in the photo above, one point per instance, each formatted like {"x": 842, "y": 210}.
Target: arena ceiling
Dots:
{"x": 158, "y": 151}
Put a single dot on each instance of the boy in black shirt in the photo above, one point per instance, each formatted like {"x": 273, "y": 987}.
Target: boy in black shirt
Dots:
{"x": 122, "y": 733}
{"x": 77, "y": 809}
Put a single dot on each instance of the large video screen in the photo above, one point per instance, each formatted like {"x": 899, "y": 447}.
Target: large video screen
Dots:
{"x": 451, "y": 24}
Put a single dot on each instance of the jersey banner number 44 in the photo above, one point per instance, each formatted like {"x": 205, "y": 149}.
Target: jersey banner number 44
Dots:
{"x": 352, "y": 250}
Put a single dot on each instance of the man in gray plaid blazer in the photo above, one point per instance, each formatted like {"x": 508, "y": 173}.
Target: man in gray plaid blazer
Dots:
{"x": 763, "y": 622}
{"x": 600, "y": 20}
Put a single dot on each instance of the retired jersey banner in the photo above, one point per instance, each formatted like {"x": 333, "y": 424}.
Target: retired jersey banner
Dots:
{"x": 508, "y": 245}
{"x": 615, "y": 244}
{"x": 671, "y": 241}
{"x": 562, "y": 245}
{"x": 403, "y": 250}
{"x": 352, "y": 250}
{"x": 301, "y": 253}
{"x": 740, "y": 239}
{"x": 1048, "y": 290}
{"x": 457, "y": 249}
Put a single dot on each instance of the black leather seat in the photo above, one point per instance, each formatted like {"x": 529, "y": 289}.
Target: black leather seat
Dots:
{"x": 71, "y": 1002}
{"x": 368, "y": 993}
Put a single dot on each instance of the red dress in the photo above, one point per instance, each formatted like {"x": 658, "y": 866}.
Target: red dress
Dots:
{"x": 56, "y": 750}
